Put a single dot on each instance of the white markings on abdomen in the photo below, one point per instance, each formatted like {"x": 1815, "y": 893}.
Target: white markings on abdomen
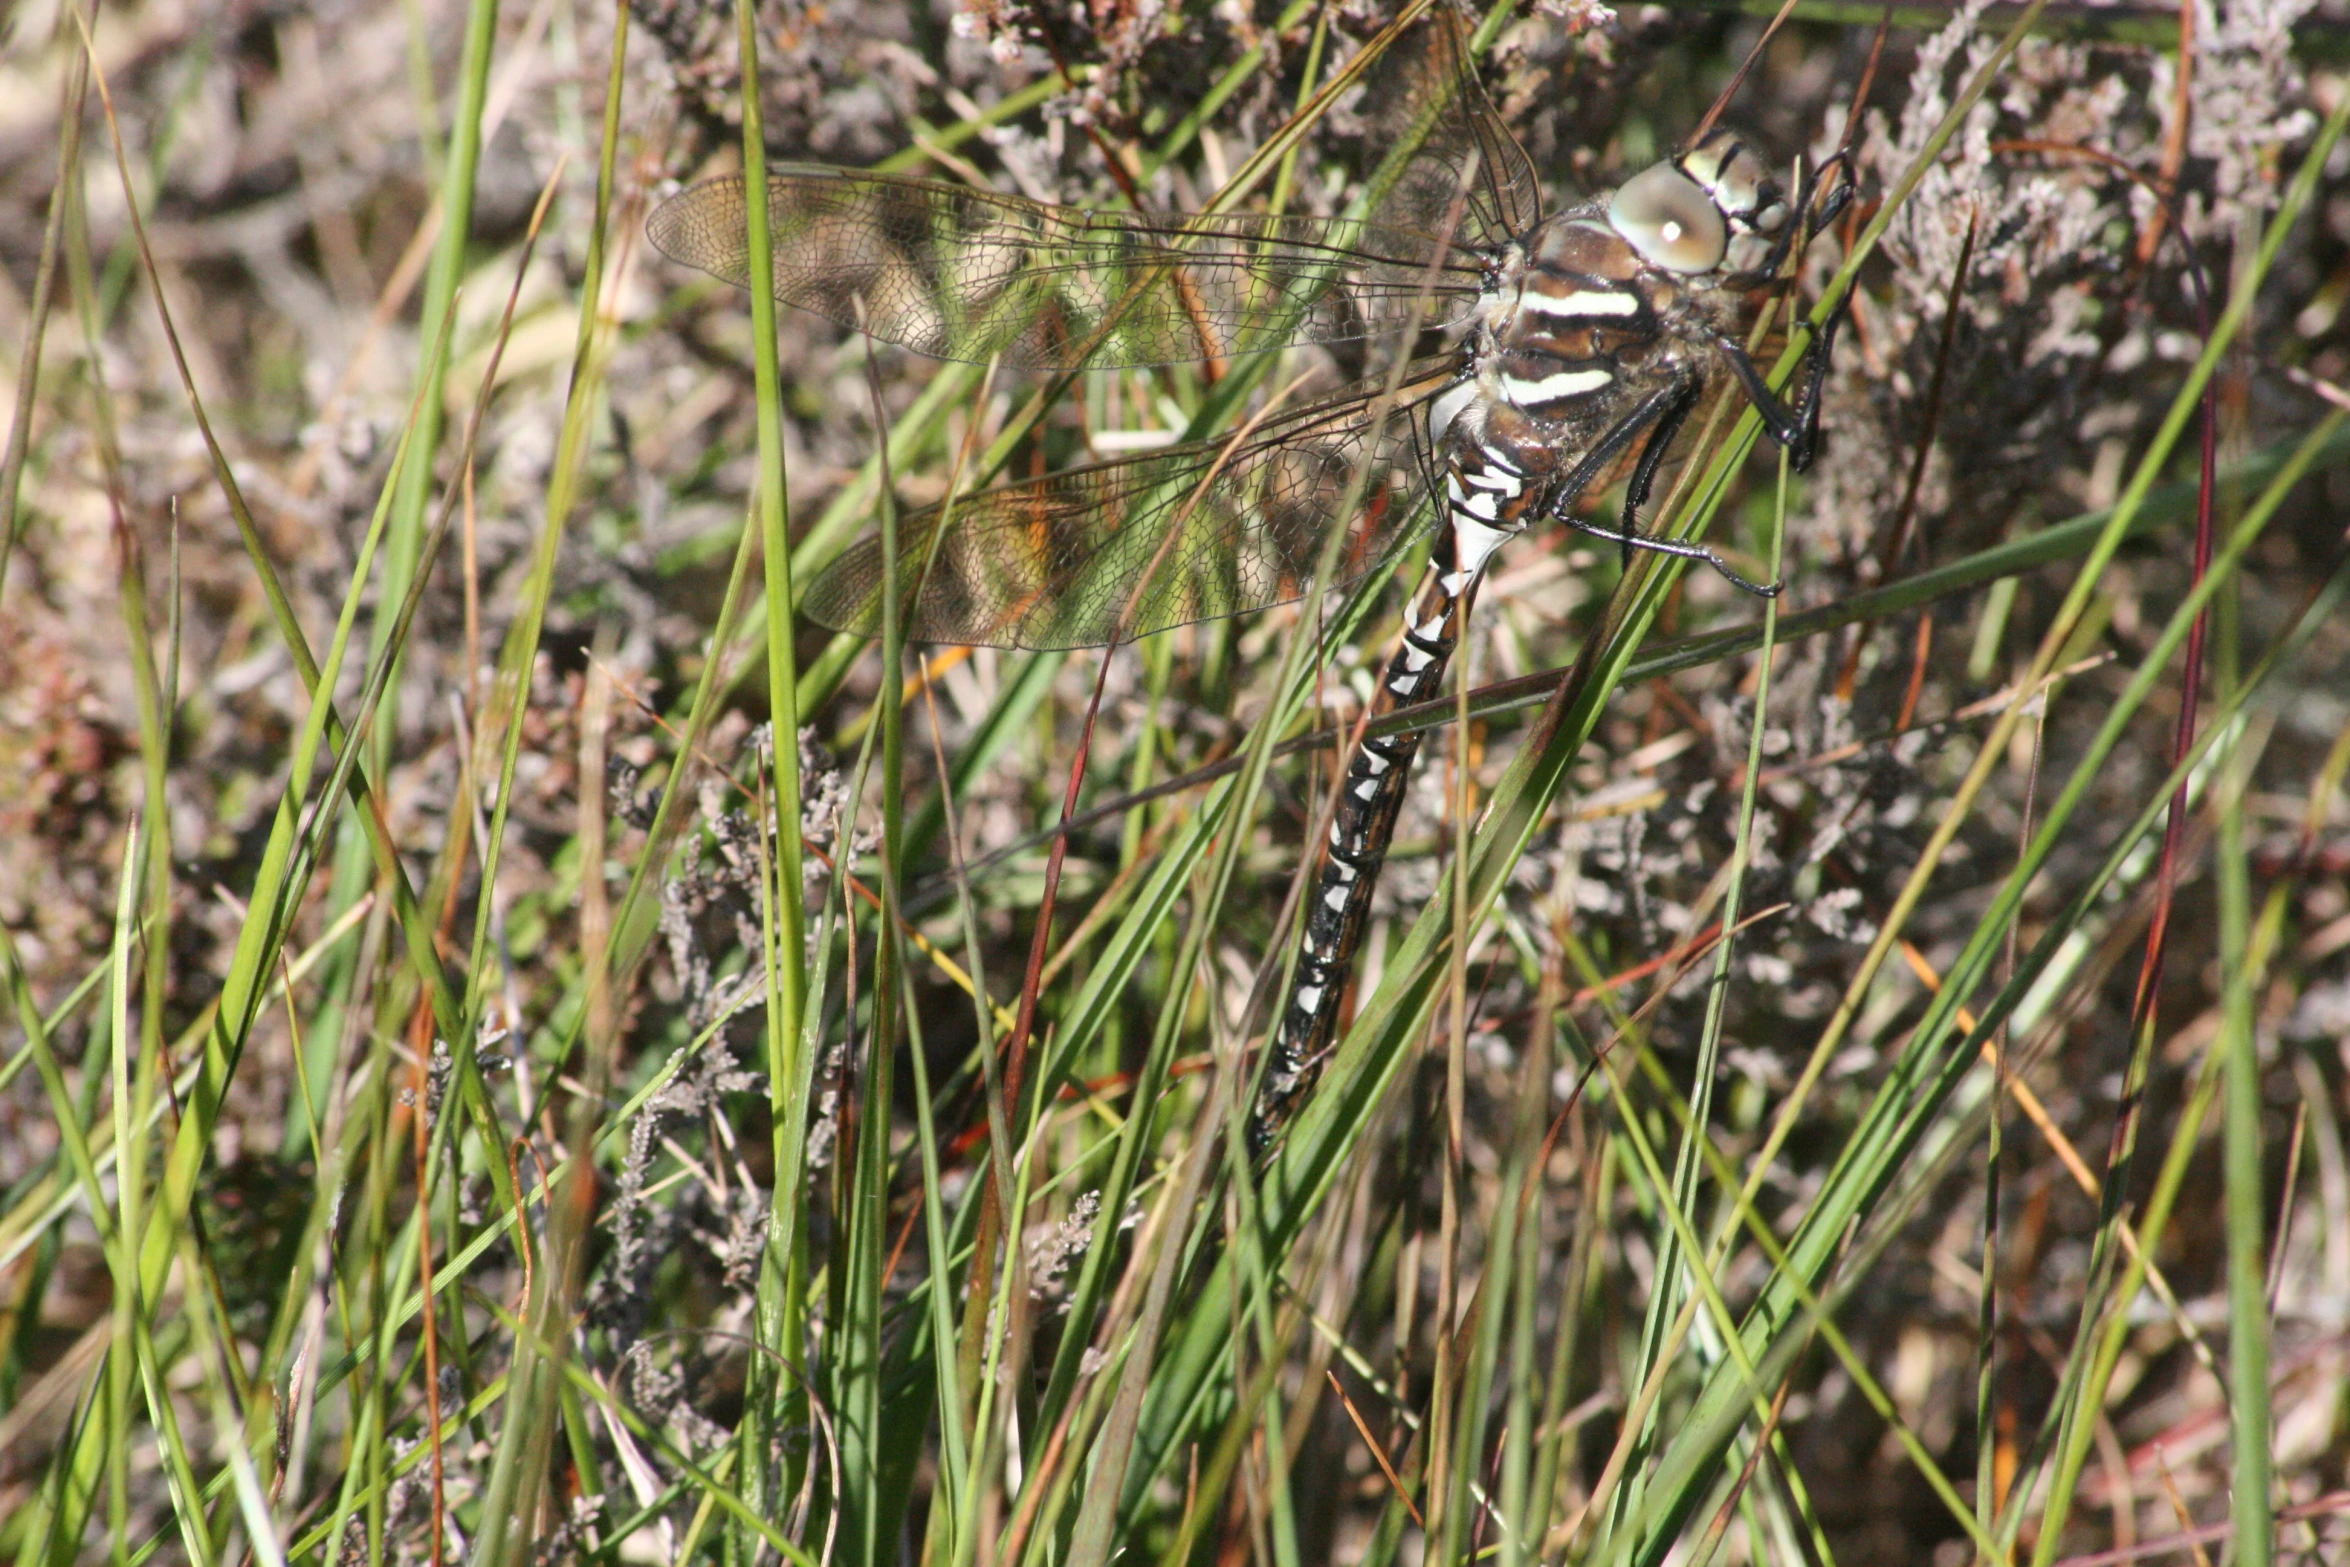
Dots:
{"x": 1474, "y": 545}
{"x": 1446, "y": 408}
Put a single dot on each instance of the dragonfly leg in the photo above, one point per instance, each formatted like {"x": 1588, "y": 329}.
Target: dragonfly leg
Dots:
{"x": 1660, "y": 440}
{"x": 1838, "y": 198}
{"x": 1780, "y": 422}
{"x": 1797, "y": 428}
{"x": 1661, "y": 415}
{"x": 1676, "y": 548}
{"x": 1807, "y": 407}
{"x": 1810, "y": 225}
{"x": 1656, "y": 410}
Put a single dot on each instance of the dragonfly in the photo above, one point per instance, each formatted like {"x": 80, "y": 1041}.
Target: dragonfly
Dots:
{"x": 1577, "y": 346}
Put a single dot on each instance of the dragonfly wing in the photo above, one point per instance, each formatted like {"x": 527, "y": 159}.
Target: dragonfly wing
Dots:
{"x": 1095, "y": 555}
{"x": 1450, "y": 143}
{"x": 966, "y": 274}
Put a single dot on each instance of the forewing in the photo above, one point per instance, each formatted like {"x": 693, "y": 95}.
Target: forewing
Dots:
{"x": 1102, "y": 554}
{"x": 1454, "y": 169}
{"x": 966, "y": 274}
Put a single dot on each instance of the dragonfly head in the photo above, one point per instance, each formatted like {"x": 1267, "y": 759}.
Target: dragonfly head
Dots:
{"x": 1713, "y": 207}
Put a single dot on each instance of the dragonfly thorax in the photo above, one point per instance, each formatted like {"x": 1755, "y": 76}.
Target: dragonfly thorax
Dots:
{"x": 1605, "y": 303}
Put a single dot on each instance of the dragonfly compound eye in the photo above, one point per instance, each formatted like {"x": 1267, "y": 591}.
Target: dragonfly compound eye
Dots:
{"x": 1670, "y": 220}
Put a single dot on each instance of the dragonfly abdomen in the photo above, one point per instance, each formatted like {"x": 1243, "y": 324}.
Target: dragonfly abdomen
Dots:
{"x": 1487, "y": 500}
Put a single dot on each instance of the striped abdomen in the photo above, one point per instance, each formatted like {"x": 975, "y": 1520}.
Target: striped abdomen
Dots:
{"x": 1485, "y": 503}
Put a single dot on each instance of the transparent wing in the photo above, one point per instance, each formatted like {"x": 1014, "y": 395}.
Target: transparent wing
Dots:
{"x": 966, "y": 274}
{"x": 1102, "y": 554}
{"x": 1455, "y": 168}
{"x": 969, "y": 274}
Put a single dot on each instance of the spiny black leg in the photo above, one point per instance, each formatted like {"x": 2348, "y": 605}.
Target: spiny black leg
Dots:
{"x": 1779, "y": 421}
{"x": 1818, "y": 354}
{"x": 1798, "y": 428}
{"x": 1673, "y": 547}
{"x": 1821, "y": 351}
{"x": 1795, "y": 428}
{"x": 1837, "y": 200}
{"x": 1660, "y": 441}
{"x": 1832, "y": 207}
{"x": 1662, "y": 414}
{"x": 1603, "y": 452}
{"x": 1810, "y": 225}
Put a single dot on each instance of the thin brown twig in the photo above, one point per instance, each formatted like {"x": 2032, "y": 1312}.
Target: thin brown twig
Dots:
{"x": 524, "y": 1252}
{"x": 1720, "y": 1524}
{"x": 1378, "y": 1453}
{"x": 2122, "y": 1150}
{"x": 2174, "y": 137}
{"x": 1738, "y": 77}
{"x": 1687, "y": 951}
{"x": 2334, "y": 1504}
{"x": 1917, "y": 670}
{"x": 1889, "y": 554}
{"x": 2097, "y": 155}
{"x": 1868, "y": 79}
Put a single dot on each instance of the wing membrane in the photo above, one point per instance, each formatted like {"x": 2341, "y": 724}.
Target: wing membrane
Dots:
{"x": 966, "y": 274}
{"x": 1450, "y": 145}
{"x": 1106, "y": 553}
